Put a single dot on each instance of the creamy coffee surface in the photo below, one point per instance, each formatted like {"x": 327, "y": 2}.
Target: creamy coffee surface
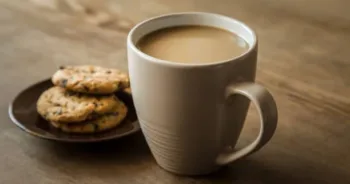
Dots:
{"x": 193, "y": 44}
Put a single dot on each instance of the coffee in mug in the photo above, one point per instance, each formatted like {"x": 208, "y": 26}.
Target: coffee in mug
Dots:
{"x": 193, "y": 44}
{"x": 192, "y": 78}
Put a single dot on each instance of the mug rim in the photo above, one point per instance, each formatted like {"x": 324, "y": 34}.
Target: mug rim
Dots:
{"x": 155, "y": 60}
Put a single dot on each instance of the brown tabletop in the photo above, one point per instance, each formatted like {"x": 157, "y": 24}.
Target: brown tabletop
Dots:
{"x": 304, "y": 60}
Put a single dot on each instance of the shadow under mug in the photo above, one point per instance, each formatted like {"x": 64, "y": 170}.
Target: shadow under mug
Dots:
{"x": 190, "y": 112}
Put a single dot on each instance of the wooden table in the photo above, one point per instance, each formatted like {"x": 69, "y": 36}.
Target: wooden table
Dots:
{"x": 304, "y": 61}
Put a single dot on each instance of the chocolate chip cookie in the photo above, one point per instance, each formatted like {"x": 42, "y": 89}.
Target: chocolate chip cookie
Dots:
{"x": 102, "y": 123}
{"x": 60, "y": 105}
{"x": 90, "y": 79}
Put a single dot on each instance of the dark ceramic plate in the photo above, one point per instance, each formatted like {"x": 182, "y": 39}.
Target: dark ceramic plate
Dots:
{"x": 22, "y": 112}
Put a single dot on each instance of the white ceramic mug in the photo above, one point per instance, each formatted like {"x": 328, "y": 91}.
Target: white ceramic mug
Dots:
{"x": 189, "y": 113}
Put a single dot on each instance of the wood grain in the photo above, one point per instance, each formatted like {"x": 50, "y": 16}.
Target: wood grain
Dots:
{"x": 303, "y": 61}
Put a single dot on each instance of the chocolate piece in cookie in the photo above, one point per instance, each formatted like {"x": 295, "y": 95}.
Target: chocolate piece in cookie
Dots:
{"x": 102, "y": 123}
{"x": 90, "y": 79}
{"x": 59, "y": 105}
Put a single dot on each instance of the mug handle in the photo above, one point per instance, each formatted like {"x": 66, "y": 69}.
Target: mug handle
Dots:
{"x": 267, "y": 110}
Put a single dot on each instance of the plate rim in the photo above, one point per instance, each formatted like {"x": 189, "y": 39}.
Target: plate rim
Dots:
{"x": 135, "y": 124}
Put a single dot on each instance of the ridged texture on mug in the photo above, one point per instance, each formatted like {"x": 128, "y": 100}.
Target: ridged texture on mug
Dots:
{"x": 173, "y": 153}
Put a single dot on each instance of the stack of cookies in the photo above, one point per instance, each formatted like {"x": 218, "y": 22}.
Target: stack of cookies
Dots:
{"x": 83, "y": 99}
